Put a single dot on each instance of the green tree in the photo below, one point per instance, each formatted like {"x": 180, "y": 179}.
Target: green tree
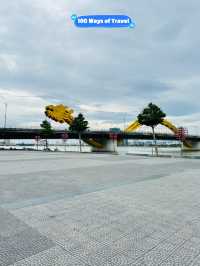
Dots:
{"x": 46, "y": 130}
{"x": 151, "y": 116}
{"x": 79, "y": 125}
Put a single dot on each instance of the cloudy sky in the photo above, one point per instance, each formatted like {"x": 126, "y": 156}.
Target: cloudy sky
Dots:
{"x": 108, "y": 74}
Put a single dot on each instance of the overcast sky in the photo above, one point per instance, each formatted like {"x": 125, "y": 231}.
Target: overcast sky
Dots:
{"x": 108, "y": 74}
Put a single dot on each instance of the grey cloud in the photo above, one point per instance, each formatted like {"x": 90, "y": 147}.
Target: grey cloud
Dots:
{"x": 117, "y": 117}
{"x": 180, "y": 108}
{"x": 170, "y": 31}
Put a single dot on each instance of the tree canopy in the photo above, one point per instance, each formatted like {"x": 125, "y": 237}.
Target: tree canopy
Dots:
{"x": 79, "y": 124}
{"x": 46, "y": 128}
{"x": 151, "y": 116}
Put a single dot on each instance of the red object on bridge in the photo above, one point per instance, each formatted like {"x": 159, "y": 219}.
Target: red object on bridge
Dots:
{"x": 37, "y": 138}
{"x": 65, "y": 136}
{"x": 113, "y": 136}
{"x": 182, "y": 133}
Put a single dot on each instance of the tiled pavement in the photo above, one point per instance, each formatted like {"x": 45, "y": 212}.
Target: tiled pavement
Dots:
{"x": 87, "y": 209}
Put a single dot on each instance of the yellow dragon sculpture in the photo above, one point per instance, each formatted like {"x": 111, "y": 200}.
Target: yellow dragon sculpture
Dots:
{"x": 63, "y": 114}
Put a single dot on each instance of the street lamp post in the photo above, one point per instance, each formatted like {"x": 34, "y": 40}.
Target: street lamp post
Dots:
{"x": 113, "y": 137}
{"x": 124, "y": 121}
{"x": 64, "y": 138}
{"x": 5, "y": 119}
{"x": 5, "y": 115}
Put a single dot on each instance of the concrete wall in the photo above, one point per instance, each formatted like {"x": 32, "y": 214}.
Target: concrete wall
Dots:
{"x": 109, "y": 146}
{"x": 195, "y": 146}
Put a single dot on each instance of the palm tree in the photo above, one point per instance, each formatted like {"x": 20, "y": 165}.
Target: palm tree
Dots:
{"x": 79, "y": 125}
{"x": 151, "y": 116}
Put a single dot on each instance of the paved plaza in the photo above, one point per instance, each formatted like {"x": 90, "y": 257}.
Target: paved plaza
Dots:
{"x": 98, "y": 209}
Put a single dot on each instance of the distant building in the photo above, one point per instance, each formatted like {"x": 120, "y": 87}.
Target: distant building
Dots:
{"x": 115, "y": 129}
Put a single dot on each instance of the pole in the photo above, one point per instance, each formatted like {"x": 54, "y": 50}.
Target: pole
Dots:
{"x": 80, "y": 141}
{"x": 124, "y": 121}
{"x": 5, "y": 115}
{"x": 5, "y": 120}
{"x": 155, "y": 142}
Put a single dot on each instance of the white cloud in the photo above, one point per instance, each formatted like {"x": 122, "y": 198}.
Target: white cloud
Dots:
{"x": 21, "y": 107}
{"x": 107, "y": 107}
{"x": 8, "y": 61}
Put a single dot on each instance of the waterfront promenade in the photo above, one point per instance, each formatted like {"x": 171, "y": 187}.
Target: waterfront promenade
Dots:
{"x": 98, "y": 209}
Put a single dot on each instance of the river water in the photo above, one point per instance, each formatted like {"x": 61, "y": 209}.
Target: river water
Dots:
{"x": 172, "y": 151}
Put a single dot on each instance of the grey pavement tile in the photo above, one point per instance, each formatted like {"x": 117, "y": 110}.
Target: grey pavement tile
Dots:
{"x": 76, "y": 240}
{"x": 158, "y": 254}
{"x": 61, "y": 234}
{"x": 105, "y": 217}
{"x": 128, "y": 245}
{"x": 131, "y": 221}
{"x": 119, "y": 260}
{"x": 21, "y": 245}
{"x": 181, "y": 236}
{"x": 195, "y": 227}
{"x": 195, "y": 262}
{"x": 84, "y": 249}
{"x": 9, "y": 254}
{"x": 67, "y": 244}
{"x": 139, "y": 233}
{"x": 106, "y": 234}
{"x": 51, "y": 257}
{"x": 91, "y": 222}
{"x": 146, "y": 244}
{"x": 70, "y": 182}
{"x": 184, "y": 257}
{"x": 162, "y": 234}
{"x": 9, "y": 224}
{"x": 109, "y": 255}
{"x": 30, "y": 238}
{"x": 186, "y": 254}
{"x": 100, "y": 256}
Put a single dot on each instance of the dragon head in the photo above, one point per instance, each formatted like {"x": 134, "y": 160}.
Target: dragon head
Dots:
{"x": 59, "y": 113}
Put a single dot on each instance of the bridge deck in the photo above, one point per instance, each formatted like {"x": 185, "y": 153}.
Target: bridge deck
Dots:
{"x": 20, "y": 133}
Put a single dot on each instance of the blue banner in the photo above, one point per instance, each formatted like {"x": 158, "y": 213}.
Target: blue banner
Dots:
{"x": 103, "y": 21}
